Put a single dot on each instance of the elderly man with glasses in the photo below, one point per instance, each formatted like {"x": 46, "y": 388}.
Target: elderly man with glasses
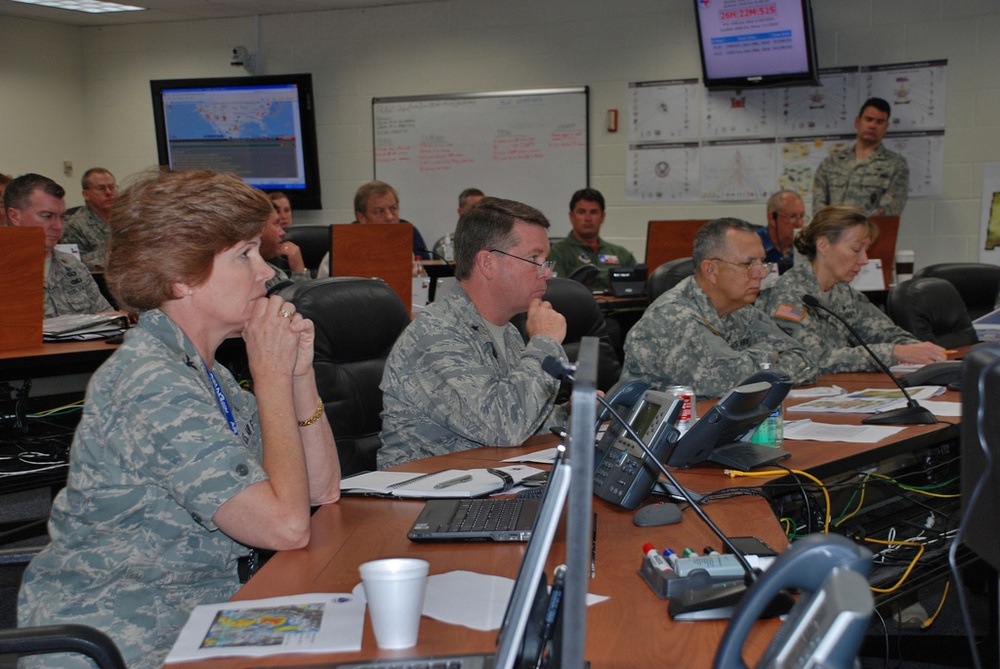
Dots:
{"x": 786, "y": 214}
{"x": 460, "y": 376}
{"x": 705, "y": 332}
{"x": 88, "y": 227}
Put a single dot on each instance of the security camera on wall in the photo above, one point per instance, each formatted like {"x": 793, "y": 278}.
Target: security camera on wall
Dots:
{"x": 242, "y": 58}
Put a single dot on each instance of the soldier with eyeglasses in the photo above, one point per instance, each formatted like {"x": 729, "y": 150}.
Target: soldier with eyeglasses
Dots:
{"x": 88, "y": 227}
{"x": 706, "y": 332}
{"x": 460, "y": 376}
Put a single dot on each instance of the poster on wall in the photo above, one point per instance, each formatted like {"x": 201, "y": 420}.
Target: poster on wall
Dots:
{"x": 737, "y": 170}
{"x": 830, "y": 107}
{"x": 663, "y": 111}
{"x": 803, "y": 124}
{"x": 915, "y": 91}
{"x": 989, "y": 250}
{"x": 663, "y": 172}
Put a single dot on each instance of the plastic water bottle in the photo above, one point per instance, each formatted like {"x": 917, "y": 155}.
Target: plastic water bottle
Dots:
{"x": 771, "y": 432}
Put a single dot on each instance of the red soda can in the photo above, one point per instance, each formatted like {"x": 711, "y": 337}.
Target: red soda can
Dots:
{"x": 689, "y": 413}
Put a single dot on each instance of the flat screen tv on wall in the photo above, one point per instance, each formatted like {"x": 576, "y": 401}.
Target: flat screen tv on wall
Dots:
{"x": 261, "y": 128}
{"x": 756, "y": 43}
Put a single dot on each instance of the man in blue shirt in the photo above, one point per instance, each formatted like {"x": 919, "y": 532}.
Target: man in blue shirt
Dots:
{"x": 786, "y": 213}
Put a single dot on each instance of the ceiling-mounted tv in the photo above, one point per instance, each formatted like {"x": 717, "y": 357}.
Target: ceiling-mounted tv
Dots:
{"x": 261, "y": 128}
{"x": 756, "y": 43}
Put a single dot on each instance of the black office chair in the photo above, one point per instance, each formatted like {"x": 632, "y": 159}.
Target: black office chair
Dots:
{"x": 668, "y": 275}
{"x": 312, "y": 240}
{"x": 931, "y": 310}
{"x": 46, "y": 639}
{"x": 583, "y": 319}
{"x": 977, "y": 283}
{"x": 357, "y": 322}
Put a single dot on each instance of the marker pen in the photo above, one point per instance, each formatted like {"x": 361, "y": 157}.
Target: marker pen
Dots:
{"x": 671, "y": 557}
{"x": 655, "y": 558}
{"x": 708, "y": 550}
{"x": 689, "y": 552}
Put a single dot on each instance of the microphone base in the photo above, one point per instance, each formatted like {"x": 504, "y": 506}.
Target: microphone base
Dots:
{"x": 908, "y": 415}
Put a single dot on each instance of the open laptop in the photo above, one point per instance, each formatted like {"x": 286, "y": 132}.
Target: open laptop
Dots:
{"x": 519, "y": 643}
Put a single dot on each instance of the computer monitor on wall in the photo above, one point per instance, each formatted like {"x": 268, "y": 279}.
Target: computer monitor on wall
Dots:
{"x": 261, "y": 128}
{"x": 754, "y": 45}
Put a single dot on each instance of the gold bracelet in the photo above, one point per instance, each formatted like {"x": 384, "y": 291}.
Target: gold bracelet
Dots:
{"x": 315, "y": 417}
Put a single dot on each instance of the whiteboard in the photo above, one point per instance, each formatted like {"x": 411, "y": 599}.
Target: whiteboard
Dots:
{"x": 530, "y": 146}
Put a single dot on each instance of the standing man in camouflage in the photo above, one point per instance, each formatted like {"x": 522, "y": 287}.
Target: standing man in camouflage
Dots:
{"x": 705, "y": 332}
{"x": 460, "y": 376}
{"x": 88, "y": 227}
{"x": 37, "y": 201}
{"x": 867, "y": 176}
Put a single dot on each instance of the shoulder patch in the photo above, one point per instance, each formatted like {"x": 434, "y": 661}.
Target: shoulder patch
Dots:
{"x": 789, "y": 312}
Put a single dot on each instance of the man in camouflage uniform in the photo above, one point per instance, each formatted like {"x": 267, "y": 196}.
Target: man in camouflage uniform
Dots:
{"x": 88, "y": 227}
{"x": 37, "y": 201}
{"x": 460, "y": 376}
{"x": 867, "y": 175}
{"x": 705, "y": 332}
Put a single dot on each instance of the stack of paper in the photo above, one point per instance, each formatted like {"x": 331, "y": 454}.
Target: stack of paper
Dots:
{"x": 83, "y": 326}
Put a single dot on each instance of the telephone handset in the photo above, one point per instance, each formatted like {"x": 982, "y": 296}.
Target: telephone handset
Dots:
{"x": 623, "y": 474}
{"x": 827, "y": 625}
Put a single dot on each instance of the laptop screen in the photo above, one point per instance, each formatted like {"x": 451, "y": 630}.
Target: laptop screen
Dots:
{"x": 513, "y": 629}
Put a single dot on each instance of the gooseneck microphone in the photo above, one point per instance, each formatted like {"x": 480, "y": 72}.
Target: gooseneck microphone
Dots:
{"x": 557, "y": 368}
{"x": 912, "y": 413}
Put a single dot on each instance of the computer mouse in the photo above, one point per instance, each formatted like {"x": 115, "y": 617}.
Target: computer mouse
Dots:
{"x": 660, "y": 513}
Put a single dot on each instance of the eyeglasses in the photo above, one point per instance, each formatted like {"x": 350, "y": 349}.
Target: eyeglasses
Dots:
{"x": 750, "y": 266}
{"x": 542, "y": 266}
{"x": 104, "y": 188}
{"x": 795, "y": 217}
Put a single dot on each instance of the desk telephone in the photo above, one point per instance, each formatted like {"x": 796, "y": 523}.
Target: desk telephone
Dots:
{"x": 623, "y": 474}
{"x": 826, "y": 626}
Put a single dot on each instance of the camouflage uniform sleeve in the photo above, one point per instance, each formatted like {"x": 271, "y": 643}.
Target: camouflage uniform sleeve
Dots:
{"x": 180, "y": 438}
{"x": 477, "y": 403}
{"x": 674, "y": 346}
{"x": 894, "y": 198}
{"x": 70, "y": 289}
{"x": 90, "y": 235}
{"x": 821, "y": 189}
{"x": 829, "y": 342}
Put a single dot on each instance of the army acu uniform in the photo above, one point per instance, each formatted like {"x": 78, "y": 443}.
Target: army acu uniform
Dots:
{"x": 134, "y": 548}
{"x": 681, "y": 340}
{"x": 827, "y": 340}
{"x": 449, "y": 385}
{"x": 880, "y": 181}
{"x": 69, "y": 288}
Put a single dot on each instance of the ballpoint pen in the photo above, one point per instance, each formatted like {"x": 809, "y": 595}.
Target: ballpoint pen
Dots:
{"x": 454, "y": 481}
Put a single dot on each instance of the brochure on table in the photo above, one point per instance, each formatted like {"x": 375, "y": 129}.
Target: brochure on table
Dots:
{"x": 309, "y": 623}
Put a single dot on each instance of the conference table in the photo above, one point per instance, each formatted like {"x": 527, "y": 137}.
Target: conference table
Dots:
{"x": 631, "y": 628}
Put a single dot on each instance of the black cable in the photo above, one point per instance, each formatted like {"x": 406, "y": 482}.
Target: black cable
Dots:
{"x": 805, "y": 497}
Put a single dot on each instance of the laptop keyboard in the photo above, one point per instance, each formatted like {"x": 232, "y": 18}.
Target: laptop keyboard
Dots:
{"x": 478, "y": 515}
